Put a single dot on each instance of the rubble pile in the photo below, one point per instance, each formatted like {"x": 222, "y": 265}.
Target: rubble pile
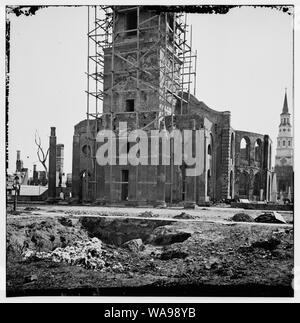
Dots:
{"x": 242, "y": 217}
{"x": 184, "y": 216}
{"x": 87, "y": 254}
{"x": 134, "y": 245}
{"x": 148, "y": 214}
{"x": 83, "y": 212}
{"x": 166, "y": 235}
{"x": 30, "y": 208}
{"x": 93, "y": 212}
{"x": 270, "y": 217}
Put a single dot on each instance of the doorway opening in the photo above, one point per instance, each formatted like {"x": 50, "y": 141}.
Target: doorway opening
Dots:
{"x": 124, "y": 187}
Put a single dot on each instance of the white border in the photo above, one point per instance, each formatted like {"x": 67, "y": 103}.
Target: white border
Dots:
{"x": 106, "y": 299}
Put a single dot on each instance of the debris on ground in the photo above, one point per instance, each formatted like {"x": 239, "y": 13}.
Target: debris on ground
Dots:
{"x": 184, "y": 216}
{"x": 168, "y": 234}
{"x": 12, "y": 212}
{"x": 269, "y": 244}
{"x": 87, "y": 254}
{"x": 65, "y": 221}
{"x": 270, "y": 217}
{"x": 134, "y": 245}
{"x": 181, "y": 252}
{"x": 148, "y": 214}
{"x": 242, "y": 217}
{"x": 30, "y": 278}
{"x": 83, "y": 212}
{"x": 93, "y": 212}
{"x": 265, "y": 245}
{"x": 173, "y": 253}
{"x": 212, "y": 263}
{"x": 56, "y": 211}
{"x": 31, "y": 208}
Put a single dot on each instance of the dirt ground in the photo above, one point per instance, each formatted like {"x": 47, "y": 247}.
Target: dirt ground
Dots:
{"x": 149, "y": 252}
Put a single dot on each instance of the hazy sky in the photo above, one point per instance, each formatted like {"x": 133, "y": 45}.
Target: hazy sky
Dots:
{"x": 244, "y": 64}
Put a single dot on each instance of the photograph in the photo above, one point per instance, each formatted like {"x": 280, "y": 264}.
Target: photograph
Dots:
{"x": 149, "y": 150}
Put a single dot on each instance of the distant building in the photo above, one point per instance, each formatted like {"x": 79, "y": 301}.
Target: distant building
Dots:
{"x": 19, "y": 162}
{"x": 284, "y": 159}
{"x": 20, "y": 170}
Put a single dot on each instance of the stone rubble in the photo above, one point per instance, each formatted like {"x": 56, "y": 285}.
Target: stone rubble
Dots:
{"x": 87, "y": 254}
{"x": 270, "y": 217}
{"x": 184, "y": 216}
{"x": 134, "y": 245}
{"x": 242, "y": 217}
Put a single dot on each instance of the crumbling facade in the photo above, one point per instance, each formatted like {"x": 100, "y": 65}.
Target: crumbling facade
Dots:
{"x": 253, "y": 172}
{"x": 143, "y": 75}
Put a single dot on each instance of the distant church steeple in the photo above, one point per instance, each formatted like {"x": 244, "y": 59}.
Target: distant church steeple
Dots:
{"x": 284, "y": 151}
{"x": 284, "y": 159}
{"x": 285, "y": 104}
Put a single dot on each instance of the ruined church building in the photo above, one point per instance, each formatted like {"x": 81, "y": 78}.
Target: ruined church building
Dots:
{"x": 142, "y": 70}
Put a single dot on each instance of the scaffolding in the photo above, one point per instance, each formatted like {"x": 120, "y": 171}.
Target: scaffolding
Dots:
{"x": 107, "y": 42}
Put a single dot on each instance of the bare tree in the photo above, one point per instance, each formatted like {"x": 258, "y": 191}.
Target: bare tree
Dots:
{"x": 42, "y": 156}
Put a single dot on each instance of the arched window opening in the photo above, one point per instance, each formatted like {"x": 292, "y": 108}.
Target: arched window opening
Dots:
{"x": 210, "y": 153}
{"x": 244, "y": 185}
{"x": 86, "y": 149}
{"x": 258, "y": 150}
{"x": 245, "y": 151}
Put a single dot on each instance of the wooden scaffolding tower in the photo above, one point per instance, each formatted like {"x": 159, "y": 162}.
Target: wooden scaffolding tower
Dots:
{"x": 177, "y": 66}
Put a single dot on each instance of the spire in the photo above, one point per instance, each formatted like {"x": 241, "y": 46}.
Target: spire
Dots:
{"x": 285, "y": 104}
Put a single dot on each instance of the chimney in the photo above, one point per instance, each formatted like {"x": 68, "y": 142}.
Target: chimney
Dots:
{"x": 52, "y": 166}
{"x": 35, "y": 175}
{"x": 19, "y": 163}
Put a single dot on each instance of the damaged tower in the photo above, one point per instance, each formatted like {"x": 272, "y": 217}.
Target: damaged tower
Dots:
{"x": 143, "y": 66}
